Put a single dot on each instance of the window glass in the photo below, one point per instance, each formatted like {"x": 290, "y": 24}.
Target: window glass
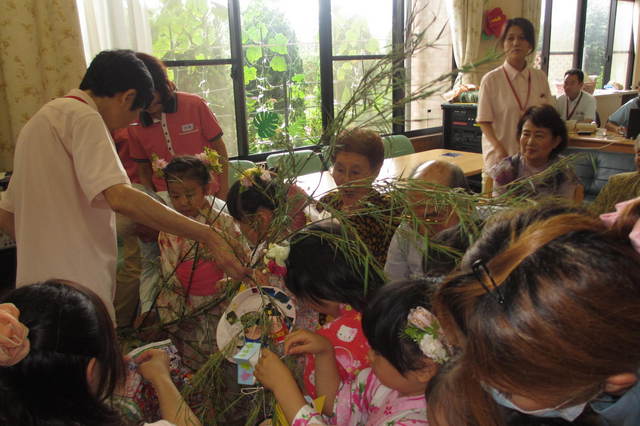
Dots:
{"x": 622, "y": 42}
{"x": 281, "y": 73}
{"x": 595, "y": 39}
{"x": 361, "y": 27}
{"x": 563, "y": 29}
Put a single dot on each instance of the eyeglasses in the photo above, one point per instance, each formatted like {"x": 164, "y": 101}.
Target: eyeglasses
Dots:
{"x": 478, "y": 268}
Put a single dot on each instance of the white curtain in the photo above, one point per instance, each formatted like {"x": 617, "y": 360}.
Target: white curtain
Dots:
{"x": 465, "y": 23}
{"x": 531, "y": 11}
{"x": 113, "y": 24}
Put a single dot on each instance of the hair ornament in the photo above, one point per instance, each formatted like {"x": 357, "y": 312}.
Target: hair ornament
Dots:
{"x": 424, "y": 329}
{"x": 14, "y": 341}
{"x": 157, "y": 165}
{"x": 275, "y": 257}
{"x": 211, "y": 160}
{"x": 610, "y": 219}
{"x": 248, "y": 177}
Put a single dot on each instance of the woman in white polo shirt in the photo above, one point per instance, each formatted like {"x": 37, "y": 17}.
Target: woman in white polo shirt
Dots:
{"x": 508, "y": 91}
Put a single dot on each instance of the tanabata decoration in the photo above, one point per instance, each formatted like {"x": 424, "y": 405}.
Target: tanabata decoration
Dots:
{"x": 137, "y": 401}
{"x": 254, "y": 315}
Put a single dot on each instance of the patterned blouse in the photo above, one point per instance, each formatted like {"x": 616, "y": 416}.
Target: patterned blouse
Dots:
{"x": 374, "y": 220}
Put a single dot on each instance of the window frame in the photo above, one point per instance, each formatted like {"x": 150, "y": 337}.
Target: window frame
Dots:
{"x": 578, "y": 48}
{"x": 326, "y": 59}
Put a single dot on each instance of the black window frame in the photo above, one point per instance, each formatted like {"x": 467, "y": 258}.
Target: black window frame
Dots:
{"x": 326, "y": 59}
{"x": 578, "y": 48}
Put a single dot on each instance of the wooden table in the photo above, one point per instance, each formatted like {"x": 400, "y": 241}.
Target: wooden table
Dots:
{"x": 611, "y": 142}
{"x": 398, "y": 167}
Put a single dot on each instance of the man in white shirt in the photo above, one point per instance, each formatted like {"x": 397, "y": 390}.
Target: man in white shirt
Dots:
{"x": 576, "y": 104}
{"x": 68, "y": 181}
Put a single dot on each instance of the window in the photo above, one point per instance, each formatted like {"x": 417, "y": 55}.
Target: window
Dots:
{"x": 274, "y": 71}
{"x": 594, "y": 35}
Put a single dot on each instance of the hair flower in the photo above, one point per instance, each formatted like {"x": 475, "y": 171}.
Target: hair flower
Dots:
{"x": 424, "y": 329}
{"x": 248, "y": 177}
{"x": 211, "y": 160}
{"x": 157, "y": 165}
{"x": 14, "y": 343}
{"x": 275, "y": 258}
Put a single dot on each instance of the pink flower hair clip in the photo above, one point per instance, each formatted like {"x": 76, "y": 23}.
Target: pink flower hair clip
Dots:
{"x": 424, "y": 329}
{"x": 14, "y": 341}
{"x": 157, "y": 165}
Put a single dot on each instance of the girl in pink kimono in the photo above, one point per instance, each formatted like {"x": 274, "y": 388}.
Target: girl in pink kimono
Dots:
{"x": 407, "y": 348}
{"x": 191, "y": 277}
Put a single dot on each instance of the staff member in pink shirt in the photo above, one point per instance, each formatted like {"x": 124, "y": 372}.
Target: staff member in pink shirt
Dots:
{"x": 508, "y": 91}
{"x": 68, "y": 181}
{"x": 175, "y": 124}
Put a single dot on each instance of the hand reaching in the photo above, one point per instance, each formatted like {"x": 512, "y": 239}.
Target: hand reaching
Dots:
{"x": 153, "y": 365}
{"x": 306, "y": 342}
{"x": 272, "y": 372}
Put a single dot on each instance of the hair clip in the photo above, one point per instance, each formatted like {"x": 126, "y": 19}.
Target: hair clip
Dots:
{"x": 476, "y": 268}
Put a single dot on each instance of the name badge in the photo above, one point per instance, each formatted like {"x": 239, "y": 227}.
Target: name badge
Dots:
{"x": 188, "y": 127}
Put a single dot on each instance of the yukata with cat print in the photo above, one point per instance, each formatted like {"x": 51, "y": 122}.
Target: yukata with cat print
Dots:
{"x": 349, "y": 344}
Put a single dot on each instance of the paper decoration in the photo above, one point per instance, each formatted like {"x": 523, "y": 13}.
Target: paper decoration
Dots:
{"x": 247, "y": 359}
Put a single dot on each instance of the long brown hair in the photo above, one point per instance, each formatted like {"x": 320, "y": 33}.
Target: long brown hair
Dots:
{"x": 569, "y": 319}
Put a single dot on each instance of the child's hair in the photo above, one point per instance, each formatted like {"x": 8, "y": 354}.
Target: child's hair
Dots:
{"x": 244, "y": 201}
{"x": 186, "y": 167}
{"x": 68, "y": 326}
{"x": 318, "y": 269}
{"x": 547, "y": 117}
{"x": 361, "y": 141}
{"x": 385, "y": 319}
{"x": 558, "y": 298}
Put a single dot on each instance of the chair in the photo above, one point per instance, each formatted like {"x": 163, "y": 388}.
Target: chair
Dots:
{"x": 295, "y": 163}
{"x": 397, "y": 145}
{"x": 594, "y": 167}
{"x": 236, "y": 167}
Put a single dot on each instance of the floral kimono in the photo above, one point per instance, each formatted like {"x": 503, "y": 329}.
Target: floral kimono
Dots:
{"x": 366, "y": 401}
{"x": 188, "y": 285}
{"x": 349, "y": 344}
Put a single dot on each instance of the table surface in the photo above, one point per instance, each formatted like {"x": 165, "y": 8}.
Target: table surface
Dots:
{"x": 320, "y": 183}
{"x": 610, "y": 142}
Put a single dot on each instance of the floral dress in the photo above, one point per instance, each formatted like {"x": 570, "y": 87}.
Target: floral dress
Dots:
{"x": 349, "y": 344}
{"x": 186, "y": 287}
{"x": 366, "y": 401}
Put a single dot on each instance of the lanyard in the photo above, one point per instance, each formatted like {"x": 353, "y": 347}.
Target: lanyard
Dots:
{"x": 77, "y": 98}
{"x": 513, "y": 90}
{"x": 570, "y": 114}
{"x": 165, "y": 132}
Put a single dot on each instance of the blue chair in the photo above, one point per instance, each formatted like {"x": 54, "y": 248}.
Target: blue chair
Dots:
{"x": 236, "y": 167}
{"x": 296, "y": 163}
{"x": 397, "y": 145}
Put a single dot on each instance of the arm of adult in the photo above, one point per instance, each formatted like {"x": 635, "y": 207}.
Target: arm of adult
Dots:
{"x": 145, "y": 173}
{"x": 7, "y": 223}
{"x": 141, "y": 208}
{"x": 490, "y": 134}
{"x": 220, "y": 147}
{"x": 153, "y": 365}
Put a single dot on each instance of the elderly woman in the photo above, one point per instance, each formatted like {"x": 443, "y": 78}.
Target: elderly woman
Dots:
{"x": 357, "y": 159}
{"x": 542, "y": 135}
{"x": 620, "y": 187}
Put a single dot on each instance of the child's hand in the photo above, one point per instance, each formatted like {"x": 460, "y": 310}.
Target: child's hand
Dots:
{"x": 272, "y": 372}
{"x": 153, "y": 364}
{"x": 306, "y": 342}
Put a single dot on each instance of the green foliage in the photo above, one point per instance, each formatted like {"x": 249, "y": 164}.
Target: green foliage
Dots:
{"x": 266, "y": 123}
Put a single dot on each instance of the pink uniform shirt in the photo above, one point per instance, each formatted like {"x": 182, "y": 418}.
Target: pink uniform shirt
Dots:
{"x": 65, "y": 158}
{"x": 191, "y": 128}
{"x": 498, "y": 105}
